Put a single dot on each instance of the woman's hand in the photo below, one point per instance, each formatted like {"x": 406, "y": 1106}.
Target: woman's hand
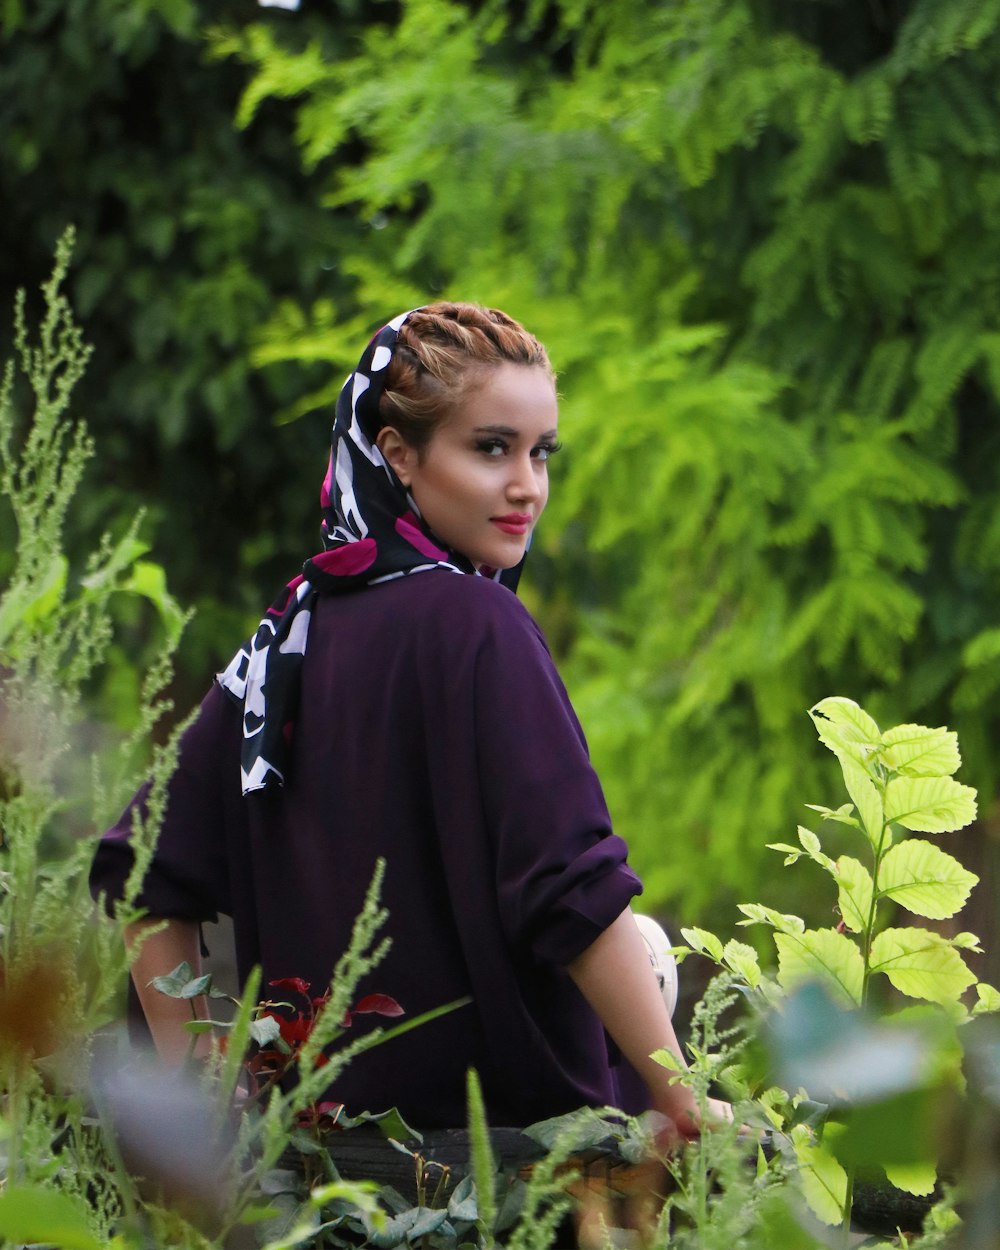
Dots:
{"x": 721, "y": 1111}
{"x": 685, "y": 1121}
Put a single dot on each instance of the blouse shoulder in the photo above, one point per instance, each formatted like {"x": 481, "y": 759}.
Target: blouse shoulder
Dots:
{"x": 472, "y": 612}
{"x": 478, "y": 598}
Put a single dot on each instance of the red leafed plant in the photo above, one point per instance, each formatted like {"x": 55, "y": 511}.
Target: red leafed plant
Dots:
{"x": 294, "y": 1027}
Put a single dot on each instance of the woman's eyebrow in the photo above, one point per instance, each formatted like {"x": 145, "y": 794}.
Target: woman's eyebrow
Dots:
{"x": 508, "y": 431}
{"x": 496, "y": 429}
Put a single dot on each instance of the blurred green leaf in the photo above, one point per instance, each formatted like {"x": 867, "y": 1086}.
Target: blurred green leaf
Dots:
{"x": 842, "y": 1055}
{"x": 915, "y": 1178}
{"x": 25, "y": 603}
{"x": 34, "y": 1214}
{"x": 898, "y": 1131}
{"x": 822, "y": 1179}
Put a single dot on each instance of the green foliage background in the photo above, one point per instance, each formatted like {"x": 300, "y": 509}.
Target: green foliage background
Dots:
{"x": 760, "y": 240}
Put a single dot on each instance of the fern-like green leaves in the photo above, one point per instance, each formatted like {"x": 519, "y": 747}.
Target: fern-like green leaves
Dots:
{"x": 761, "y": 278}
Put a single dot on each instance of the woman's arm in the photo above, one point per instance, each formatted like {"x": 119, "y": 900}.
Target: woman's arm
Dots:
{"x": 615, "y": 977}
{"x": 178, "y": 942}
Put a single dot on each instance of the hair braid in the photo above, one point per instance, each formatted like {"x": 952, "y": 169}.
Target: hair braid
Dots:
{"x": 442, "y": 353}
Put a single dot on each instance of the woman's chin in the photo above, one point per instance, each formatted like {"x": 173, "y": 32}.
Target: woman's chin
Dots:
{"x": 496, "y": 562}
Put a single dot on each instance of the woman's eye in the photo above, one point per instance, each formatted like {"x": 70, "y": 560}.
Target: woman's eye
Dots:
{"x": 544, "y": 450}
{"x": 492, "y": 446}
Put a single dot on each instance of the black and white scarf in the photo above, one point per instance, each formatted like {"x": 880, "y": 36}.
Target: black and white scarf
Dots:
{"x": 372, "y": 532}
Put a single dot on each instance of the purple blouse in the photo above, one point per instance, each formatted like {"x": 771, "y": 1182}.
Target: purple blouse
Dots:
{"x": 433, "y": 731}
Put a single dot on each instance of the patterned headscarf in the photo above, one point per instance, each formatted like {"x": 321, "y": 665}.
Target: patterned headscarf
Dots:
{"x": 372, "y": 532}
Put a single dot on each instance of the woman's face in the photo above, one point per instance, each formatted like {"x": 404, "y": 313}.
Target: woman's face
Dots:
{"x": 481, "y": 481}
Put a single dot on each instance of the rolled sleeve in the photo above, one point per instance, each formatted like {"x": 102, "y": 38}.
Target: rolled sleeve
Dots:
{"x": 587, "y": 897}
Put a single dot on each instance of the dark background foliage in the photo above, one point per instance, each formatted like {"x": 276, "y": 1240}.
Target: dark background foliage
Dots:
{"x": 189, "y": 231}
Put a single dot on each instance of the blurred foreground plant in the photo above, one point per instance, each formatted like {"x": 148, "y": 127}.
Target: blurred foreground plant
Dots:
{"x": 61, "y": 968}
{"x": 272, "y": 1072}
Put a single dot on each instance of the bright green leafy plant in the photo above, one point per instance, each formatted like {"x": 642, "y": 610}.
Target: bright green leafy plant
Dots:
{"x": 900, "y": 782}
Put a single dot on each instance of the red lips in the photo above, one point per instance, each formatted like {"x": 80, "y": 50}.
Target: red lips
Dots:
{"x": 513, "y": 522}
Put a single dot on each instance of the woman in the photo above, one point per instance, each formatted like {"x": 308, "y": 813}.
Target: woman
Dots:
{"x": 398, "y": 701}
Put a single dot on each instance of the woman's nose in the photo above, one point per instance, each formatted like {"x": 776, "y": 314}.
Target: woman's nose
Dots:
{"x": 524, "y": 483}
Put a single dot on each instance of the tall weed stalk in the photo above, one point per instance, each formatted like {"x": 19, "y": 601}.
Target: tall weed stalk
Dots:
{"x": 61, "y": 966}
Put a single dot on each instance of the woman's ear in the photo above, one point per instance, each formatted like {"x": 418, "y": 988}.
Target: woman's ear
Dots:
{"x": 398, "y": 453}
